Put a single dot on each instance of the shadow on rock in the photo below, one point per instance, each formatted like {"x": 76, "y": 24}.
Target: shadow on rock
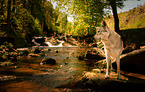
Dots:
{"x": 133, "y": 61}
{"x": 95, "y": 82}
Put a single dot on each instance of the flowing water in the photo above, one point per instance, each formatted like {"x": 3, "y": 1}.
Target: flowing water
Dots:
{"x": 67, "y": 70}
{"x": 68, "y": 73}
{"x": 69, "y": 67}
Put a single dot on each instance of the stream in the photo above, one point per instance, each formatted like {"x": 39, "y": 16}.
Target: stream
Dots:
{"x": 67, "y": 70}
{"x": 69, "y": 74}
{"x": 69, "y": 67}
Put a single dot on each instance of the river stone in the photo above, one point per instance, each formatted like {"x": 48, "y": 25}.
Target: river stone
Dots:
{"x": 49, "y": 61}
{"x": 37, "y": 50}
{"x": 34, "y": 55}
{"x": 95, "y": 54}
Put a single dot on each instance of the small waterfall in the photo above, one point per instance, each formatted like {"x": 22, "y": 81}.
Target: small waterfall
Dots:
{"x": 50, "y": 45}
{"x": 61, "y": 42}
{"x": 43, "y": 41}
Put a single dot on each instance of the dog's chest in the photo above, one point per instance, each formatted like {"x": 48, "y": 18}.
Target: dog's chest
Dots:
{"x": 110, "y": 41}
{"x": 107, "y": 44}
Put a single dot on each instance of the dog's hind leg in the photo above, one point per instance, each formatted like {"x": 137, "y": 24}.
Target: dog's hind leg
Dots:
{"x": 112, "y": 60}
{"x": 118, "y": 67}
{"x": 108, "y": 66}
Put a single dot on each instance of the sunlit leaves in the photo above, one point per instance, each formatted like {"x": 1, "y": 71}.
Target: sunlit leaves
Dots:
{"x": 86, "y": 14}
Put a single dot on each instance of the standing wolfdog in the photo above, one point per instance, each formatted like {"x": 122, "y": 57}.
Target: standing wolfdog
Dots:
{"x": 113, "y": 46}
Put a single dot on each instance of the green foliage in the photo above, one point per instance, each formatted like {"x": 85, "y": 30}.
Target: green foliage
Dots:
{"x": 37, "y": 26}
{"x": 7, "y": 46}
{"x": 61, "y": 23}
{"x": 26, "y": 25}
{"x": 87, "y": 14}
{"x": 5, "y": 49}
{"x": 28, "y": 18}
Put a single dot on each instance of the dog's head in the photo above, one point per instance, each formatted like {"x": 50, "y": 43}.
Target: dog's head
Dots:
{"x": 101, "y": 31}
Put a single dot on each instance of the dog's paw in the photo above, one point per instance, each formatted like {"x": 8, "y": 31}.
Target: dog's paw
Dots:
{"x": 106, "y": 76}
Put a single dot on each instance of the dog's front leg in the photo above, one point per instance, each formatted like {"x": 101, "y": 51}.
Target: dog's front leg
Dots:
{"x": 118, "y": 67}
{"x": 108, "y": 66}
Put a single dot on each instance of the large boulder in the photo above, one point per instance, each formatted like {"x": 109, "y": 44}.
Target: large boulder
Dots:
{"x": 133, "y": 61}
{"x": 48, "y": 61}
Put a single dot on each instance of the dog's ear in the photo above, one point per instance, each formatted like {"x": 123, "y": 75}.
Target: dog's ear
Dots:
{"x": 104, "y": 23}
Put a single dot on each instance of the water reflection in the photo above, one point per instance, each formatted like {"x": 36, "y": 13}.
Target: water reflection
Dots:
{"x": 69, "y": 67}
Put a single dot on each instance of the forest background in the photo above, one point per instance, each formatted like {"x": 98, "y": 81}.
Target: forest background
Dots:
{"x": 24, "y": 19}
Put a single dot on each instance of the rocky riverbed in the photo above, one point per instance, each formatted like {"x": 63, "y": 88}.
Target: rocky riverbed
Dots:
{"x": 73, "y": 71}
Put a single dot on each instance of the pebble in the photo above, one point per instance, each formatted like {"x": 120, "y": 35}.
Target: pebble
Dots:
{"x": 41, "y": 63}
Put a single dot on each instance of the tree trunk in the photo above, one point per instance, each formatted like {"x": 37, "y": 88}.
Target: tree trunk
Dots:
{"x": 14, "y": 6}
{"x": 2, "y": 7}
{"x": 24, "y": 3}
{"x": 115, "y": 15}
{"x": 9, "y": 16}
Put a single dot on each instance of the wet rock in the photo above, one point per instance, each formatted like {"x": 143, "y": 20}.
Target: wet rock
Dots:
{"x": 96, "y": 70}
{"x": 39, "y": 40}
{"x": 88, "y": 81}
{"x": 34, "y": 55}
{"x": 5, "y": 78}
{"x": 95, "y": 54}
{"x": 48, "y": 61}
{"x": 37, "y": 50}
{"x": 49, "y": 50}
{"x": 25, "y": 53}
{"x": 42, "y": 54}
{"x": 66, "y": 58}
{"x": 56, "y": 51}
{"x": 81, "y": 57}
